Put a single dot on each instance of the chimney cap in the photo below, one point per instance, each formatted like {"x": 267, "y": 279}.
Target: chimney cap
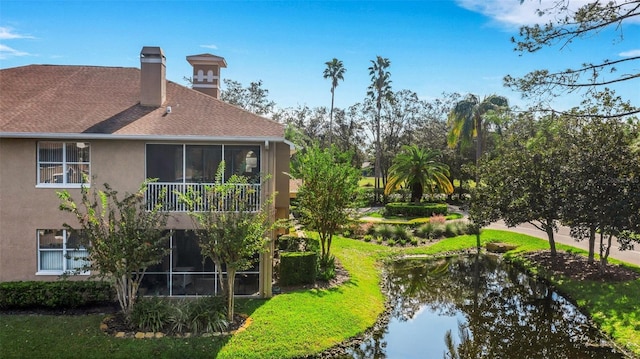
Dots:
{"x": 207, "y": 59}
{"x": 152, "y": 51}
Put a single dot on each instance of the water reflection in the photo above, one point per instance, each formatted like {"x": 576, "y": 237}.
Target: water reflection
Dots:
{"x": 477, "y": 307}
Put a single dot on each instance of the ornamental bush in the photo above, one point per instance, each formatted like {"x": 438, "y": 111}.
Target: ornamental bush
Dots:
{"x": 415, "y": 210}
{"x": 55, "y": 295}
{"x": 298, "y": 268}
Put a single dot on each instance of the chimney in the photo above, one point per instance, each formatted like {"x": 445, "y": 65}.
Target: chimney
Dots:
{"x": 206, "y": 73}
{"x": 153, "y": 84}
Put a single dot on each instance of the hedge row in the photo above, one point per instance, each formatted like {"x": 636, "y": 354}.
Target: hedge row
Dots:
{"x": 415, "y": 210}
{"x": 54, "y": 295}
{"x": 298, "y": 268}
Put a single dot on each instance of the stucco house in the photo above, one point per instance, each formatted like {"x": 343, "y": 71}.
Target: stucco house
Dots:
{"x": 120, "y": 126}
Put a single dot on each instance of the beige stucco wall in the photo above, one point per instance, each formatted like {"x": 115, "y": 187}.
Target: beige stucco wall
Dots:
{"x": 24, "y": 208}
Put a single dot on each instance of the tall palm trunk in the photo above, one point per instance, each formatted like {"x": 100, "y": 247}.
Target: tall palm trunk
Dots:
{"x": 478, "y": 123}
{"x": 331, "y": 117}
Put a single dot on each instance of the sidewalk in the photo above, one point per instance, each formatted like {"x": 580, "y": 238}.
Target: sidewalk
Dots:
{"x": 562, "y": 236}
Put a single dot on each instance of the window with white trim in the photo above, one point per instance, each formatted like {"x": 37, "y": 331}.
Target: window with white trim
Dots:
{"x": 60, "y": 251}
{"x": 63, "y": 164}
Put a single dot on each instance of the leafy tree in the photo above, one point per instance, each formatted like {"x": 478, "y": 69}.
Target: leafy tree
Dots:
{"x": 565, "y": 27}
{"x": 329, "y": 186}
{"x": 308, "y": 124}
{"x": 421, "y": 171}
{"x": 253, "y": 98}
{"x": 467, "y": 121}
{"x": 603, "y": 176}
{"x": 231, "y": 229}
{"x": 379, "y": 91}
{"x": 350, "y": 133}
{"x": 123, "y": 237}
{"x": 335, "y": 71}
{"x": 522, "y": 183}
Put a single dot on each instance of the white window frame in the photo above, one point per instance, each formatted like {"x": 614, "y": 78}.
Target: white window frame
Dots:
{"x": 64, "y": 251}
{"x": 64, "y": 164}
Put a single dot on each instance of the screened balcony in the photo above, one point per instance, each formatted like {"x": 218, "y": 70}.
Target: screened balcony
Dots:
{"x": 184, "y": 168}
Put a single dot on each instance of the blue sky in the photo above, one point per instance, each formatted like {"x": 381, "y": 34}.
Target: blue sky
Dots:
{"x": 434, "y": 46}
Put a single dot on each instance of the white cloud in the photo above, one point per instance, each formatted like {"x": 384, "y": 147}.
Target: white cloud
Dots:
{"x": 7, "y": 33}
{"x": 512, "y": 13}
{"x": 630, "y": 53}
{"x": 213, "y": 47}
{"x": 6, "y": 52}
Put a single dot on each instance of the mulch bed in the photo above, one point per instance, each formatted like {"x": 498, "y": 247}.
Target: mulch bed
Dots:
{"x": 578, "y": 267}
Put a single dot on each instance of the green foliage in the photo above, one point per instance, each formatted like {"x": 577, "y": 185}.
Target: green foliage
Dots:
{"x": 421, "y": 171}
{"x": 327, "y": 268}
{"x": 298, "y": 268}
{"x": 522, "y": 183}
{"x": 54, "y": 295}
{"x": 328, "y": 190}
{"x": 290, "y": 243}
{"x": 306, "y": 322}
{"x": 415, "y": 210}
{"x": 123, "y": 237}
{"x": 253, "y": 98}
{"x": 384, "y": 231}
{"x": 151, "y": 314}
{"x": 205, "y": 315}
{"x": 197, "y": 316}
{"x": 401, "y": 233}
{"x": 470, "y": 117}
{"x": 425, "y": 230}
{"x": 231, "y": 237}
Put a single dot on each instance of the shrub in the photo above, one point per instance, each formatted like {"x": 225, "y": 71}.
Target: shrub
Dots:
{"x": 438, "y": 219}
{"x": 151, "y": 314}
{"x": 379, "y": 240}
{"x": 424, "y": 231}
{"x": 391, "y": 242}
{"x": 289, "y": 243}
{"x": 437, "y": 230}
{"x": 54, "y": 295}
{"x": 207, "y": 314}
{"x": 327, "y": 270}
{"x": 414, "y": 241}
{"x": 401, "y": 233}
{"x": 450, "y": 230}
{"x": 385, "y": 231}
{"x": 415, "y": 210}
{"x": 367, "y": 238}
{"x": 298, "y": 268}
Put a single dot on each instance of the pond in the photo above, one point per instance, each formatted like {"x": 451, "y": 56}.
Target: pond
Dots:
{"x": 476, "y": 306}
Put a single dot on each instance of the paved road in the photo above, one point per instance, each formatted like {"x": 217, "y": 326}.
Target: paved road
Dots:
{"x": 562, "y": 236}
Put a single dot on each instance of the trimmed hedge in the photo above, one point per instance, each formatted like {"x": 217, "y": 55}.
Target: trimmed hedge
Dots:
{"x": 415, "y": 210}
{"x": 54, "y": 295}
{"x": 298, "y": 268}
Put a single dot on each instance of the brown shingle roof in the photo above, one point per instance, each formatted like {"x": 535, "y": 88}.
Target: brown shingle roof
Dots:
{"x": 106, "y": 100}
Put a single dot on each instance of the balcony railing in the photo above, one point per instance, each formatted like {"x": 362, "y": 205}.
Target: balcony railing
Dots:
{"x": 166, "y": 194}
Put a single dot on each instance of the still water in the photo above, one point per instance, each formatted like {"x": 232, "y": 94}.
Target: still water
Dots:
{"x": 477, "y": 307}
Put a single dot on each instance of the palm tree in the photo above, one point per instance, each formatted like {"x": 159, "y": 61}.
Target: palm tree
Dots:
{"x": 335, "y": 71}
{"x": 466, "y": 121}
{"x": 379, "y": 90}
{"x": 420, "y": 170}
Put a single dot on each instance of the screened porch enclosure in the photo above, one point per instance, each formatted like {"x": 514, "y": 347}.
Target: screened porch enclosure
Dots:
{"x": 184, "y": 272}
{"x": 179, "y": 168}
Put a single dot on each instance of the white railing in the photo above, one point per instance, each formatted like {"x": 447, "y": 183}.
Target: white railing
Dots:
{"x": 166, "y": 194}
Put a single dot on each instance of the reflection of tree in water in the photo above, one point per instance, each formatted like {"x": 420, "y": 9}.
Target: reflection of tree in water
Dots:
{"x": 507, "y": 313}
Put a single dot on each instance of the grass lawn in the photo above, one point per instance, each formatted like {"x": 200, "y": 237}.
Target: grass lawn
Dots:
{"x": 304, "y": 322}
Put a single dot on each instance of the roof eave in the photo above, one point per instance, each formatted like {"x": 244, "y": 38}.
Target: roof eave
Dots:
{"x": 102, "y": 136}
